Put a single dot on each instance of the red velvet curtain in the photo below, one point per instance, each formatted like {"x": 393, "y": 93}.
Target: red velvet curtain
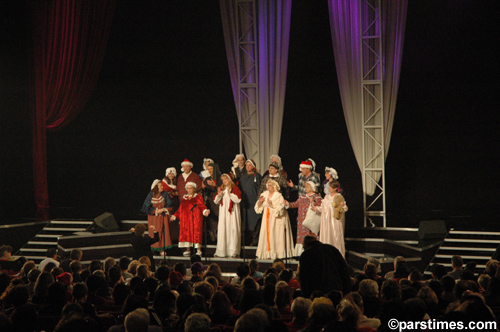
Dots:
{"x": 69, "y": 43}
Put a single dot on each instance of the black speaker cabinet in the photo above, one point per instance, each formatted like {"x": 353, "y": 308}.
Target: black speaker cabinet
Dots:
{"x": 106, "y": 221}
{"x": 432, "y": 229}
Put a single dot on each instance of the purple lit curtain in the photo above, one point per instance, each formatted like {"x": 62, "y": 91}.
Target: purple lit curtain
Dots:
{"x": 345, "y": 16}
{"x": 69, "y": 43}
{"x": 273, "y": 32}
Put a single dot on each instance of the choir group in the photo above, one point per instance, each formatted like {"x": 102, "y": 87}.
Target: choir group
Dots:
{"x": 244, "y": 207}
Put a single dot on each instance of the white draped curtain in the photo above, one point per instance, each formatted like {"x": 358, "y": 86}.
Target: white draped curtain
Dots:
{"x": 273, "y": 32}
{"x": 345, "y": 16}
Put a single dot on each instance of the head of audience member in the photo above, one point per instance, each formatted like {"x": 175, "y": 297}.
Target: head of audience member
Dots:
{"x": 460, "y": 287}
{"x": 132, "y": 267}
{"x": 75, "y": 267}
{"x": 162, "y": 273}
{"x": 251, "y": 322}
{"x": 17, "y": 295}
{"x": 42, "y": 283}
{"x": 253, "y": 265}
{"x": 51, "y": 253}
{"x": 33, "y": 275}
{"x": 401, "y": 270}
{"x": 164, "y": 303}
{"x": 56, "y": 294}
{"x": 279, "y": 265}
{"x": 198, "y": 269}
{"x": 308, "y": 241}
{"x": 428, "y": 295}
{"x": 76, "y": 254}
{"x": 300, "y": 309}
{"x": 6, "y": 252}
{"x": 283, "y": 295}
{"x": 124, "y": 262}
{"x": 120, "y": 293}
{"x": 143, "y": 271}
{"x": 242, "y": 271}
{"x": 145, "y": 260}
{"x": 349, "y": 312}
{"x": 335, "y": 296}
{"x": 390, "y": 290}
{"x": 27, "y": 267}
{"x": 370, "y": 271}
{"x": 137, "y": 320}
{"x": 448, "y": 283}
{"x": 205, "y": 289}
{"x": 49, "y": 267}
{"x": 95, "y": 265}
{"x": 321, "y": 312}
{"x": 220, "y": 307}
{"x": 181, "y": 268}
{"x": 437, "y": 287}
{"x": 415, "y": 308}
{"x": 456, "y": 262}
{"x": 215, "y": 269}
{"x": 248, "y": 283}
{"x": 483, "y": 281}
{"x": 197, "y": 322}
{"x": 491, "y": 267}
{"x": 80, "y": 292}
{"x": 438, "y": 271}
{"x": 368, "y": 288}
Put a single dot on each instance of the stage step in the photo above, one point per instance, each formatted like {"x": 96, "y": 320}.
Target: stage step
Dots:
{"x": 470, "y": 245}
{"x": 36, "y": 248}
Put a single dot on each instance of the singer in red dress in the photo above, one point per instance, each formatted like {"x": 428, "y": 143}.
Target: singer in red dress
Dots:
{"x": 191, "y": 211}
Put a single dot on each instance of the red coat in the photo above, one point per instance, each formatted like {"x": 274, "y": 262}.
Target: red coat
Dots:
{"x": 185, "y": 215}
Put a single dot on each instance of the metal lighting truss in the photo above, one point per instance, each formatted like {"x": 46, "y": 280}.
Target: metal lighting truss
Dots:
{"x": 372, "y": 103}
{"x": 247, "y": 71}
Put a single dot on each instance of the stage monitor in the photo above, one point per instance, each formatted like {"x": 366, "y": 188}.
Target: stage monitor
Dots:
{"x": 106, "y": 221}
{"x": 432, "y": 229}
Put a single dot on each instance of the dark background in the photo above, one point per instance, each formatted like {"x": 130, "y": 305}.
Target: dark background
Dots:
{"x": 164, "y": 94}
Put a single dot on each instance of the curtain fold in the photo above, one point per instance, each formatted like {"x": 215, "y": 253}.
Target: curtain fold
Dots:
{"x": 69, "y": 42}
{"x": 273, "y": 35}
{"x": 345, "y": 16}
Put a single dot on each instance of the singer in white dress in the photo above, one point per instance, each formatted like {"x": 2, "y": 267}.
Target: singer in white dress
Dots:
{"x": 229, "y": 229}
{"x": 275, "y": 239}
{"x": 332, "y": 210}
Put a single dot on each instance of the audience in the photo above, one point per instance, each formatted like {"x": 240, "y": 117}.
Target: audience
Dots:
{"x": 123, "y": 295}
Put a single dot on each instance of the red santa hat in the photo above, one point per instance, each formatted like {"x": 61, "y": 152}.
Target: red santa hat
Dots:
{"x": 187, "y": 162}
{"x": 306, "y": 164}
{"x": 65, "y": 278}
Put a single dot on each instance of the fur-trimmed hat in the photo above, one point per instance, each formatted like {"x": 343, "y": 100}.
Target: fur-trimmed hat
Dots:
{"x": 235, "y": 160}
{"x": 312, "y": 184}
{"x": 306, "y": 164}
{"x": 210, "y": 161}
{"x": 170, "y": 170}
{"x": 154, "y": 184}
{"x": 191, "y": 184}
{"x": 186, "y": 162}
{"x": 332, "y": 172}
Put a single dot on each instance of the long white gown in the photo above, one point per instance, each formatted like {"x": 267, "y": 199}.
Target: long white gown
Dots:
{"x": 229, "y": 228}
{"x": 331, "y": 230}
{"x": 275, "y": 239}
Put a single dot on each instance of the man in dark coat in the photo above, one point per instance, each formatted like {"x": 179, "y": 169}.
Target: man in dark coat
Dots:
{"x": 142, "y": 244}
{"x": 323, "y": 268}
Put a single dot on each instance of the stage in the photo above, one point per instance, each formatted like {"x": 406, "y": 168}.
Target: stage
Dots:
{"x": 31, "y": 240}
